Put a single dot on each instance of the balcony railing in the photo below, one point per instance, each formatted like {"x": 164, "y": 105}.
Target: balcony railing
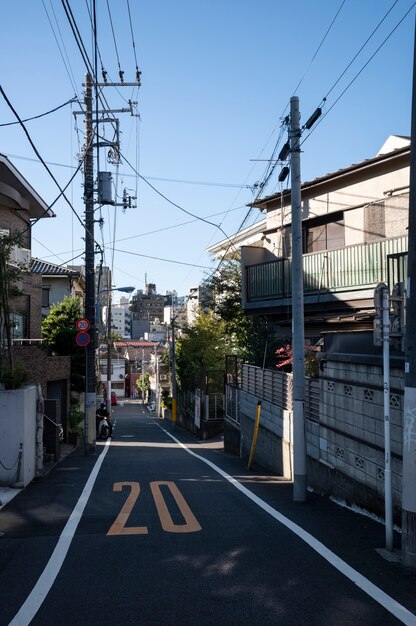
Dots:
{"x": 352, "y": 268}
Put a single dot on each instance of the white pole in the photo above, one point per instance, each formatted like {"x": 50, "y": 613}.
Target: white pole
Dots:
{"x": 388, "y": 500}
{"x": 298, "y": 331}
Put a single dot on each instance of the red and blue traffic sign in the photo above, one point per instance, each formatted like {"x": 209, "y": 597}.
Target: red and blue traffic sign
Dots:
{"x": 82, "y": 339}
{"x": 82, "y": 324}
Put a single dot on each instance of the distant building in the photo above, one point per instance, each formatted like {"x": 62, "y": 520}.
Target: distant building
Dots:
{"x": 121, "y": 318}
{"x": 198, "y": 300}
{"x": 146, "y": 306}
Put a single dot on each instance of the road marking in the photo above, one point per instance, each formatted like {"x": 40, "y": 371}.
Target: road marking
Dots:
{"x": 191, "y": 523}
{"x": 39, "y": 592}
{"x": 119, "y": 526}
{"x": 391, "y": 605}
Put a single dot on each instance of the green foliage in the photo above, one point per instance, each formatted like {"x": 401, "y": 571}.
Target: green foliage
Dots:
{"x": 76, "y": 418}
{"x": 139, "y": 383}
{"x": 166, "y": 402}
{"x": 202, "y": 346}
{"x": 9, "y": 288}
{"x": 60, "y": 331}
{"x": 248, "y": 335}
{"x": 15, "y": 377}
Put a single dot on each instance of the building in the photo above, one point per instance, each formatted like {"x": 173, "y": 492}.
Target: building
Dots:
{"x": 146, "y": 307}
{"x": 354, "y": 225}
{"x": 121, "y": 318}
{"x": 198, "y": 300}
{"x": 19, "y": 206}
{"x": 58, "y": 282}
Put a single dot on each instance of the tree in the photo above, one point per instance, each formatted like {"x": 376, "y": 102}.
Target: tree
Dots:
{"x": 201, "y": 347}
{"x": 9, "y": 288}
{"x": 248, "y": 335}
{"x": 139, "y": 384}
{"x": 59, "y": 330}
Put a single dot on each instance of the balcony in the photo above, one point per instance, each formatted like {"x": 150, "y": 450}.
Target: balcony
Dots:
{"x": 344, "y": 275}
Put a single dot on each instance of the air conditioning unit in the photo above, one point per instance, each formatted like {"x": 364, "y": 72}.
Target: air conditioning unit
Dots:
{"x": 20, "y": 256}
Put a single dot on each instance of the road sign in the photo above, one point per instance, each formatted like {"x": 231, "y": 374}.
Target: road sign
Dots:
{"x": 82, "y": 324}
{"x": 82, "y": 339}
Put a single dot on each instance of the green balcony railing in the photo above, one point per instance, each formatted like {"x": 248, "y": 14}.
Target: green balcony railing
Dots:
{"x": 354, "y": 267}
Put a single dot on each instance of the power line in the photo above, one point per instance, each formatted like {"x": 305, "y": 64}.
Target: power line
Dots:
{"x": 361, "y": 49}
{"x": 161, "y": 259}
{"x": 362, "y": 68}
{"x": 201, "y": 219}
{"x": 66, "y": 63}
{"x": 158, "y": 178}
{"x": 36, "y": 117}
{"x": 317, "y": 50}
{"x": 115, "y": 42}
{"x": 134, "y": 45}
{"x": 9, "y": 104}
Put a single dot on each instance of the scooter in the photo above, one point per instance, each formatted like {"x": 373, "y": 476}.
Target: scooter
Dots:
{"x": 103, "y": 427}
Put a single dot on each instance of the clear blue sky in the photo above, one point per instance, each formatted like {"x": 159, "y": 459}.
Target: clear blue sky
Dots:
{"x": 216, "y": 77}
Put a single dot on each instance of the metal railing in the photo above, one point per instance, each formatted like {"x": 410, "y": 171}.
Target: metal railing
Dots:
{"x": 351, "y": 268}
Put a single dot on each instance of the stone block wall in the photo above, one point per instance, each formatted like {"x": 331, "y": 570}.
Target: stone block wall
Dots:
{"x": 352, "y": 423}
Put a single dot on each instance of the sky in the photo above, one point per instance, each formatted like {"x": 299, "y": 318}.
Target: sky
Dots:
{"x": 217, "y": 77}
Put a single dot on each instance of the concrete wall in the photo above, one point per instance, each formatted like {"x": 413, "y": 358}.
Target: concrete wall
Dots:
{"x": 344, "y": 438}
{"x": 274, "y": 442}
{"x": 18, "y": 425}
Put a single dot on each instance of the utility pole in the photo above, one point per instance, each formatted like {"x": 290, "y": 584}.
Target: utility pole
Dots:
{"x": 90, "y": 375}
{"x": 173, "y": 374}
{"x": 143, "y": 376}
{"x": 409, "y": 413}
{"x": 104, "y": 186}
{"x": 109, "y": 342}
{"x": 298, "y": 331}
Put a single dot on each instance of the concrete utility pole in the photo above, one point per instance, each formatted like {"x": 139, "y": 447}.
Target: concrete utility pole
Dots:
{"x": 90, "y": 295}
{"x": 409, "y": 417}
{"x": 109, "y": 342}
{"x": 90, "y": 375}
{"x": 298, "y": 331}
{"x": 173, "y": 374}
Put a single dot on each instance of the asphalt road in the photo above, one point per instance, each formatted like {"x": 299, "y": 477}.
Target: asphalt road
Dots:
{"x": 164, "y": 537}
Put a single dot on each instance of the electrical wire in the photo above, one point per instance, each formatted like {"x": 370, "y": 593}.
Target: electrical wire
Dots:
{"x": 197, "y": 217}
{"x": 67, "y": 63}
{"x": 77, "y": 36}
{"x": 36, "y": 117}
{"x": 359, "y": 72}
{"x": 316, "y": 51}
{"x": 134, "y": 45}
{"x": 157, "y": 178}
{"x": 9, "y": 104}
{"x": 147, "y": 256}
{"x": 114, "y": 39}
{"x": 360, "y": 50}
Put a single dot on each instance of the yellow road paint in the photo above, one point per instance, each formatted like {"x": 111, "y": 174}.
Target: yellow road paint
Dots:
{"x": 191, "y": 523}
{"x": 119, "y": 527}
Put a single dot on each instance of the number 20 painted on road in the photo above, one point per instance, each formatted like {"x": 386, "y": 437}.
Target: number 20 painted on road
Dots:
{"x": 119, "y": 527}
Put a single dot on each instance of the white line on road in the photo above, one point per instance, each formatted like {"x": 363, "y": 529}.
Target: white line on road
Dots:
{"x": 396, "y": 609}
{"x": 39, "y": 592}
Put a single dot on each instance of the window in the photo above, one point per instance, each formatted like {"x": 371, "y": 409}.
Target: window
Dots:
{"x": 45, "y": 296}
{"x": 323, "y": 234}
{"x": 18, "y": 323}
